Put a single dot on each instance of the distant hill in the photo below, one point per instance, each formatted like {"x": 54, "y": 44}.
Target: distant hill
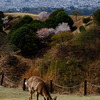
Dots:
{"x": 18, "y": 4}
{"x": 37, "y": 10}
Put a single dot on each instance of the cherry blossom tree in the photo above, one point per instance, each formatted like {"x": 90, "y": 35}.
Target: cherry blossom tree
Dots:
{"x": 43, "y": 16}
{"x": 62, "y": 27}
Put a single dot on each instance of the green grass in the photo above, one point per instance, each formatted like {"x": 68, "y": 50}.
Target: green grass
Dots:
{"x": 19, "y": 94}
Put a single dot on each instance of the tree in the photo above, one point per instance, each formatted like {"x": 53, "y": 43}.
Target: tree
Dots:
{"x": 76, "y": 13}
{"x": 54, "y": 13}
{"x": 36, "y": 25}
{"x": 50, "y": 22}
{"x": 96, "y": 16}
{"x": 56, "y": 17}
{"x": 1, "y": 29}
{"x": 43, "y": 16}
{"x": 1, "y": 21}
{"x": 24, "y": 20}
{"x": 63, "y": 27}
{"x": 25, "y": 39}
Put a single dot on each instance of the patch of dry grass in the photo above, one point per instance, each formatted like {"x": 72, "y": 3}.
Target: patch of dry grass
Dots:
{"x": 34, "y": 16}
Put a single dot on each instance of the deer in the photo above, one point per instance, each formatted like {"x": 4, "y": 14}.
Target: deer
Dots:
{"x": 38, "y": 85}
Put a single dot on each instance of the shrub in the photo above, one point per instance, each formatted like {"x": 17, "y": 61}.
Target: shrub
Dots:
{"x": 16, "y": 68}
{"x": 69, "y": 74}
{"x": 50, "y": 22}
{"x": 24, "y": 20}
{"x": 96, "y": 16}
{"x": 62, "y": 37}
{"x": 12, "y": 60}
{"x": 61, "y": 16}
{"x": 1, "y": 28}
{"x": 82, "y": 29}
{"x": 63, "y": 27}
{"x": 10, "y": 18}
{"x": 36, "y": 25}
{"x": 45, "y": 34}
{"x": 86, "y": 20}
{"x": 54, "y": 13}
{"x": 88, "y": 38}
{"x": 25, "y": 39}
{"x": 1, "y": 16}
{"x": 3, "y": 38}
{"x": 43, "y": 16}
{"x": 56, "y": 17}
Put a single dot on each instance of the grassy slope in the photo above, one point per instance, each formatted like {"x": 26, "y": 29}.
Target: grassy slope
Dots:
{"x": 18, "y": 94}
{"x": 34, "y": 16}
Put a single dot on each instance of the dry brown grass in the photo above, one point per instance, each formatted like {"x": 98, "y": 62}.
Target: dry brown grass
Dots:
{"x": 34, "y": 16}
{"x": 78, "y": 17}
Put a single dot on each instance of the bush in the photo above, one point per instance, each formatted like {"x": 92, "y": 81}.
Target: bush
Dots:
{"x": 50, "y": 22}
{"x": 56, "y": 17}
{"x": 96, "y": 16}
{"x": 88, "y": 38}
{"x": 86, "y": 20}
{"x": 25, "y": 20}
{"x": 69, "y": 74}
{"x": 1, "y": 28}
{"x": 1, "y": 16}
{"x": 82, "y": 29}
{"x": 63, "y": 27}
{"x": 25, "y": 39}
{"x": 12, "y": 60}
{"x": 54, "y": 13}
{"x": 36, "y": 25}
{"x": 3, "y": 38}
{"x": 10, "y": 18}
{"x": 62, "y": 37}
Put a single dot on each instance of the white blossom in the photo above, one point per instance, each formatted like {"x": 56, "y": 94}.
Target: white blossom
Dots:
{"x": 43, "y": 16}
{"x": 62, "y": 27}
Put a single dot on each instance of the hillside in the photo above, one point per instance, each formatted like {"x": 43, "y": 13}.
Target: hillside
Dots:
{"x": 68, "y": 58}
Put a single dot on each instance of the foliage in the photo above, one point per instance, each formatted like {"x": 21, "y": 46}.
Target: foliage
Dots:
{"x": 25, "y": 39}
{"x": 86, "y": 20}
{"x": 16, "y": 67}
{"x": 62, "y": 37}
{"x": 50, "y": 22}
{"x": 63, "y": 27}
{"x": 82, "y": 29}
{"x": 10, "y": 18}
{"x": 43, "y": 16}
{"x": 3, "y": 38}
{"x": 61, "y": 16}
{"x": 76, "y": 13}
{"x": 1, "y": 22}
{"x": 96, "y": 16}
{"x": 24, "y": 20}
{"x": 35, "y": 25}
{"x": 1, "y": 16}
{"x": 87, "y": 39}
{"x": 69, "y": 74}
{"x": 55, "y": 12}
{"x": 1, "y": 28}
{"x": 56, "y": 17}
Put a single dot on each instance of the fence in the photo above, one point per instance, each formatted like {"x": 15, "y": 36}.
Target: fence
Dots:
{"x": 53, "y": 85}
{"x": 5, "y": 81}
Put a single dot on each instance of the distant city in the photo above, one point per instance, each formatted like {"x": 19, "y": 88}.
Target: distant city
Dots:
{"x": 66, "y": 4}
